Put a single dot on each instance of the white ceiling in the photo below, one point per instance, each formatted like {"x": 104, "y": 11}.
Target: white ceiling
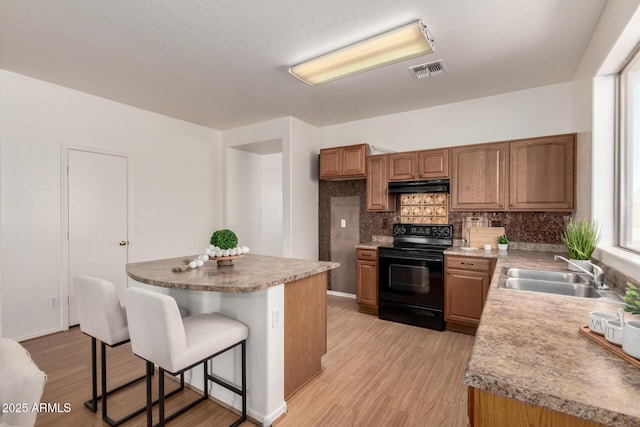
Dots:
{"x": 224, "y": 63}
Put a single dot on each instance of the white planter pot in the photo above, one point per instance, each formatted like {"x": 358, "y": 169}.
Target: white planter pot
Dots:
{"x": 503, "y": 246}
{"x": 582, "y": 263}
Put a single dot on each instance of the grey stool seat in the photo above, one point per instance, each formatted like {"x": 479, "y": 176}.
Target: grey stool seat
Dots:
{"x": 161, "y": 337}
{"x": 103, "y": 318}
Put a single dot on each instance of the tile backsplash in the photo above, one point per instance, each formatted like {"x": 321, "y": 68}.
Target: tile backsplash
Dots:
{"x": 424, "y": 208}
{"x": 529, "y": 227}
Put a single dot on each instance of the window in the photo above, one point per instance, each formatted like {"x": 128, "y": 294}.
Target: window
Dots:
{"x": 630, "y": 154}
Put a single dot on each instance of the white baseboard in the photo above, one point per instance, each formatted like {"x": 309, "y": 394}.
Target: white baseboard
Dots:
{"x": 269, "y": 419}
{"x": 36, "y": 335}
{"x": 341, "y": 294}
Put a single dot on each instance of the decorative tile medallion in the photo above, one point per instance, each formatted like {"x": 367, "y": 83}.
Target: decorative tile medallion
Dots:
{"x": 424, "y": 208}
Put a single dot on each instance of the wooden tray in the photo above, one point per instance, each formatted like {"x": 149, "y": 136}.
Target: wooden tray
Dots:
{"x": 223, "y": 260}
{"x": 584, "y": 330}
{"x": 226, "y": 260}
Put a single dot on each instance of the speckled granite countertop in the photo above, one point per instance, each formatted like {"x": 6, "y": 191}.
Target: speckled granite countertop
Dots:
{"x": 528, "y": 347}
{"x": 372, "y": 245}
{"x": 250, "y": 273}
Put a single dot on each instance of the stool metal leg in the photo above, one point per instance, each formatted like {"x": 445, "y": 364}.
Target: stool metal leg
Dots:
{"x": 103, "y": 373}
{"x": 149, "y": 397}
{"x": 163, "y": 419}
{"x": 93, "y": 403}
{"x": 243, "y": 390}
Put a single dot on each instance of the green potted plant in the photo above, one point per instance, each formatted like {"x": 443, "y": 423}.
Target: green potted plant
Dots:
{"x": 581, "y": 236}
{"x": 503, "y": 242}
{"x": 632, "y": 298}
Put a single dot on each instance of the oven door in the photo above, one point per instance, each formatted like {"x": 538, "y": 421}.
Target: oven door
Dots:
{"x": 411, "y": 277}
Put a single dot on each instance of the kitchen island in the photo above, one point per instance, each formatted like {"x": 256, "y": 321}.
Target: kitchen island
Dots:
{"x": 281, "y": 300}
{"x": 531, "y": 366}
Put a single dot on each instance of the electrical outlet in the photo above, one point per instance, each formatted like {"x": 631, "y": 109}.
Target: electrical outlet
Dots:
{"x": 53, "y": 302}
{"x": 343, "y": 223}
{"x": 275, "y": 318}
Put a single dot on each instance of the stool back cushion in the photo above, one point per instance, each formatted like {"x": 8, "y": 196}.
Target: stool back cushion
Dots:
{"x": 156, "y": 328}
{"x": 99, "y": 310}
{"x": 21, "y": 384}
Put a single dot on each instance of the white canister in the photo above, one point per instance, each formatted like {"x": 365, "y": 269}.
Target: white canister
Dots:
{"x": 613, "y": 331}
{"x": 597, "y": 321}
{"x": 631, "y": 338}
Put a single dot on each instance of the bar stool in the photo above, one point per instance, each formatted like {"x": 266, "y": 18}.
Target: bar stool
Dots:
{"x": 103, "y": 318}
{"x": 160, "y": 336}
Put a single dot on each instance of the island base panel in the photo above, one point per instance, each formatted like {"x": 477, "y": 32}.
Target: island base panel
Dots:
{"x": 490, "y": 410}
{"x": 305, "y": 330}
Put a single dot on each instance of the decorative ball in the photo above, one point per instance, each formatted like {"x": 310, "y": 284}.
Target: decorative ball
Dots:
{"x": 192, "y": 264}
{"x": 199, "y": 263}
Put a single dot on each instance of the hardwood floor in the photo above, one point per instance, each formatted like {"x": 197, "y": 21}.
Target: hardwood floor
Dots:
{"x": 375, "y": 373}
{"x": 380, "y": 373}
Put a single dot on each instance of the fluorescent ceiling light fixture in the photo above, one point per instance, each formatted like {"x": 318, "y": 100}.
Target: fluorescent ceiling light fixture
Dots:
{"x": 406, "y": 42}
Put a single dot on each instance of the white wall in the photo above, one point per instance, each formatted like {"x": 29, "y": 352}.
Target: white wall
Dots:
{"x": 271, "y": 212}
{"x": 305, "y": 148}
{"x": 300, "y": 148}
{"x": 174, "y": 191}
{"x": 534, "y": 112}
{"x": 243, "y": 210}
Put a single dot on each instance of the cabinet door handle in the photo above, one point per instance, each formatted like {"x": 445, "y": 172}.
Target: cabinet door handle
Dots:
{"x": 467, "y": 263}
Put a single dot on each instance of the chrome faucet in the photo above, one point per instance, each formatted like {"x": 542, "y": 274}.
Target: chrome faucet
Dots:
{"x": 597, "y": 275}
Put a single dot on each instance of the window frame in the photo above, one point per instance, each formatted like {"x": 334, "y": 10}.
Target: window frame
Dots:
{"x": 622, "y": 162}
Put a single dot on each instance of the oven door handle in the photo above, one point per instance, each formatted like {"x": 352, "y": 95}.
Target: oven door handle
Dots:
{"x": 412, "y": 257}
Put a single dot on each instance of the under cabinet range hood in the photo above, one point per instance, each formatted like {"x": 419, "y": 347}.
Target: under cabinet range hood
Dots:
{"x": 426, "y": 186}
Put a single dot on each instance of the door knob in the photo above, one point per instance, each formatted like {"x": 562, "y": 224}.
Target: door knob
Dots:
{"x": 123, "y": 243}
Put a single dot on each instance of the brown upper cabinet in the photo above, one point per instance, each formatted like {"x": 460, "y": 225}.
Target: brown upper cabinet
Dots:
{"x": 542, "y": 173}
{"x": 433, "y": 163}
{"x": 415, "y": 165}
{"x": 533, "y": 174}
{"x": 402, "y": 166}
{"x": 479, "y": 177}
{"x": 378, "y": 197}
{"x": 348, "y": 162}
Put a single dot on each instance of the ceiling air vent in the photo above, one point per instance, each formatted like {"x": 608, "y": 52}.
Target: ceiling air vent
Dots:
{"x": 430, "y": 69}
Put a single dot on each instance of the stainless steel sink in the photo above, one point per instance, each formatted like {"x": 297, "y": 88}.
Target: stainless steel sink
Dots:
{"x": 560, "y": 288}
{"x": 555, "y": 282}
{"x": 547, "y": 275}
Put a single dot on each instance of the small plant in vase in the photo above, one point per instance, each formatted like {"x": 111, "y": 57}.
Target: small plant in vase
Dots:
{"x": 632, "y": 298}
{"x": 581, "y": 236}
{"x": 503, "y": 242}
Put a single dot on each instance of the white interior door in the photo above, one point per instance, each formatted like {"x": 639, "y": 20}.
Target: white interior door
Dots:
{"x": 98, "y": 244}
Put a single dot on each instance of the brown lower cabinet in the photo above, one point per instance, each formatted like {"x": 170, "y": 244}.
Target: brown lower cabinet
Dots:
{"x": 490, "y": 410}
{"x": 367, "y": 280}
{"x": 466, "y": 285}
